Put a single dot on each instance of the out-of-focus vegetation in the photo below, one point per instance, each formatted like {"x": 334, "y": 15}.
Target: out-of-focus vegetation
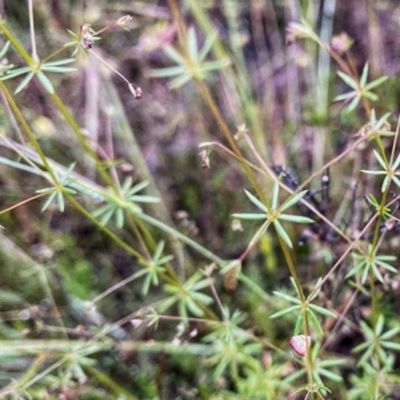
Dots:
{"x": 199, "y": 199}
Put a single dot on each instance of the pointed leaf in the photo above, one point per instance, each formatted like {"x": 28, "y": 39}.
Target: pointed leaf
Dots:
{"x": 371, "y": 96}
{"x": 376, "y": 83}
{"x": 60, "y": 70}
{"x": 284, "y": 311}
{"x": 44, "y": 80}
{"x": 364, "y": 75}
{"x": 4, "y": 50}
{"x": 24, "y": 82}
{"x": 396, "y": 163}
{"x": 275, "y": 193}
{"x": 379, "y": 325}
{"x": 59, "y": 62}
{"x": 391, "y": 345}
{"x": 167, "y": 72}
{"x": 294, "y": 200}
{"x": 249, "y": 216}
{"x": 192, "y": 44}
{"x": 174, "y": 55}
{"x": 299, "y": 324}
{"x": 295, "y": 218}
{"x": 282, "y": 233}
{"x": 323, "y": 311}
{"x": 354, "y": 103}
{"x": 60, "y": 201}
{"x": 207, "y": 46}
{"x": 349, "y": 81}
{"x": 314, "y": 321}
{"x": 256, "y": 202}
{"x": 159, "y": 250}
{"x": 380, "y": 159}
{"x": 345, "y": 96}
{"x": 179, "y": 81}
{"x": 287, "y": 297}
{"x": 49, "y": 201}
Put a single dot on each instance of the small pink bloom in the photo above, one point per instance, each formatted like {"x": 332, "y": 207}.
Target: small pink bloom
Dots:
{"x": 300, "y": 344}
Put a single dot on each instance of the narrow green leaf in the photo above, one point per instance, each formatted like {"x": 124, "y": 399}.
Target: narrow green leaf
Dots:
{"x": 179, "y": 81}
{"x": 214, "y": 65}
{"x": 4, "y": 50}
{"x": 49, "y": 201}
{"x": 59, "y": 62}
{"x": 364, "y": 276}
{"x": 371, "y": 172}
{"x": 193, "y": 307}
{"x": 377, "y": 273}
{"x": 202, "y": 298}
{"x": 296, "y": 218}
{"x": 376, "y": 83}
{"x": 275, "y": 194}
{"x": 396, "y": 163}
{"x": 44, "y": 80}
{"x": 354, "y": 103}
{"x": 256, "y": 202}
{"x": 391, "y": 345}
{"x": 207, "y": 46}
{"x": 386, "y": 266}
{"x": 371, "y": 96}
{"x": 381, "y": 121}
{"x": 323, "y": 311}
{"x": 345, "y": 96}
{"x": 159, "y": 250}
{"x": 60, "y": 70}
{"x": 192, "y": 44}
{"x": 15, "y": 72}
{"x": 380, "y": 159}
{"x": 167, "y": 72}
{"x": 119, "y": 217}
{"x": 314, "y": 321}
{"x": 396, "y": 180}
{"x": 105, "y": 218}
{"x": 379, "y": 325}
{"x": 60, "y": 201}
{"x": 137, "y": 188}
{"x": 287, "y": 297}
{"x": 146, "y": 284}
{"x": 389, "y": 334}
{"x": 174, "y": 55}
{"x": 299, "y": 324}
{"x": 284, "y": 311}
{"x": 249, "y": 216}
{"x": 282, "y": 233}
{"x": 360, "y": 347}
{"x": 364, "y": 76}
{"x": 349, "y": 81}
{"x": 144, "y": 199}
{"x": 24, "y": 82}
{"x": 294, "y": 200}
{"x": 330, "y": 375}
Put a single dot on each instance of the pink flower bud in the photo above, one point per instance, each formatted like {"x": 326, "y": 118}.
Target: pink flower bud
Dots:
{"x": 300, "y": 344}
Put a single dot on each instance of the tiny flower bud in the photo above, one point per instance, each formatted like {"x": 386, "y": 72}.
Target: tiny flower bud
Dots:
{"x": 136, "y": 91}
{"x": 87, "y": 36}
{"x": 205, "y": 160}
{"x": 300, "y": 344}
{"x": 341, "y": 43}
{"x": 124, "y": 20}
